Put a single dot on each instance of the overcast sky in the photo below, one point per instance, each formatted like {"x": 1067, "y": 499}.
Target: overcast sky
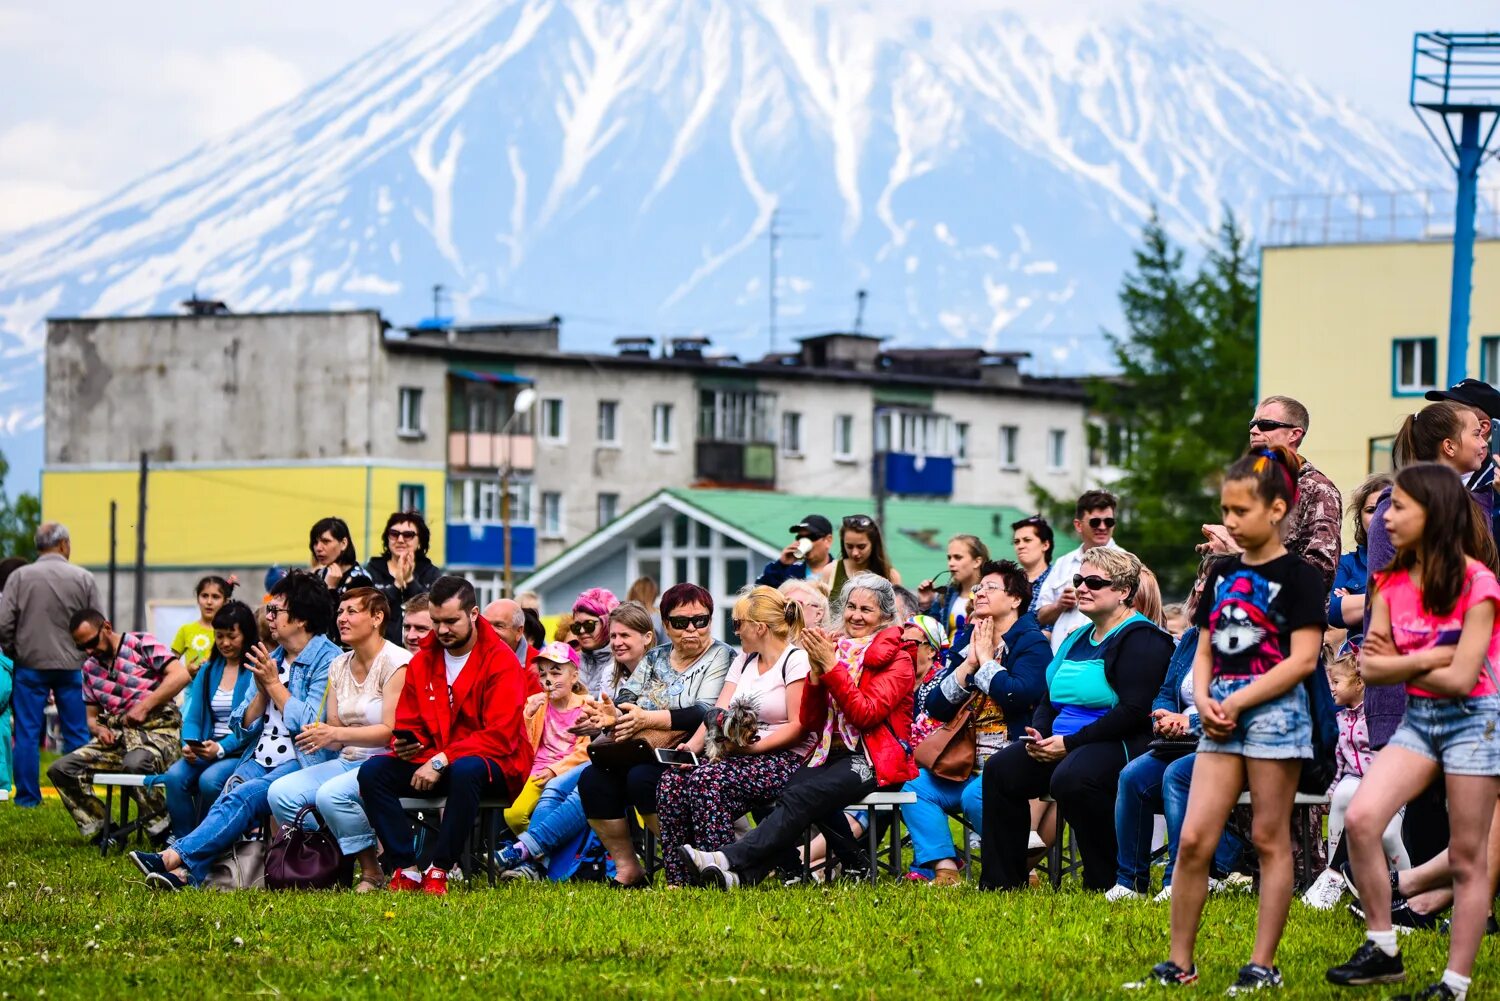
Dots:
{"x": 98, "y": 92}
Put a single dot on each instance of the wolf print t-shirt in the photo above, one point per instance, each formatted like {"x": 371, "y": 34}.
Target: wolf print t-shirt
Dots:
{"x": 1415, "y": 628}
{"x": 1250, "y": 612}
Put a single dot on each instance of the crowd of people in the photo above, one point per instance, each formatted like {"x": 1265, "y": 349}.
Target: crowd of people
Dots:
{"x": 1025, "y": 697}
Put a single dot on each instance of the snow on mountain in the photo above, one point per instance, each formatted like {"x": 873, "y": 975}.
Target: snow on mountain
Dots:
{"x": 983, "y": 174}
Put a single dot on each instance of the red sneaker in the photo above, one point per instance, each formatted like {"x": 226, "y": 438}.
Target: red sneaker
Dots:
{"x": 435, "y": 881}
{"x": 402, "y": 883}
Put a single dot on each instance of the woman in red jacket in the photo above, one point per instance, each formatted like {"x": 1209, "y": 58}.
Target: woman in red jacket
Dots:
{"x": 858, "y": 701}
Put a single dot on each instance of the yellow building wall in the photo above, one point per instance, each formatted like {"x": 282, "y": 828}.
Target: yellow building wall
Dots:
{"x": 232, "y": 516}
{"x": 1328, "y": 316}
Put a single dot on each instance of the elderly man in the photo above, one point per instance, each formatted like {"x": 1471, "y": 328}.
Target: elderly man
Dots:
{"x": 508, "y": 619}
{"x": 39, "y": 602}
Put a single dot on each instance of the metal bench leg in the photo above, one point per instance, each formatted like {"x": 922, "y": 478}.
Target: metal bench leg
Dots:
{"x": 873, "y": 834}
{"x": 896, "y": 841}
{"x": 105, "y": 832}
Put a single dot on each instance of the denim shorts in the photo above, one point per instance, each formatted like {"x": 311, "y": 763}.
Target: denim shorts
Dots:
{"x": 1280, "y": 729}
{"x": 1459, "y": 734}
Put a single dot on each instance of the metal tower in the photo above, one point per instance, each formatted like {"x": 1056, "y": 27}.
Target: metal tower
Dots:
{"x": 1455, "y": 78}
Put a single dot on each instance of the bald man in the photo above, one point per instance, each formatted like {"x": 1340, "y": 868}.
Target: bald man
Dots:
{"x": 509, "y": 621}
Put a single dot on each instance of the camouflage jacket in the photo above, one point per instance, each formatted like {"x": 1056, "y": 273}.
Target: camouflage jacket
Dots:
{"x": 1316, "y": 523}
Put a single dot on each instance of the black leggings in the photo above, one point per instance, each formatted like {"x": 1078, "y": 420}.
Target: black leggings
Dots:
{"x": 611, "y": 795}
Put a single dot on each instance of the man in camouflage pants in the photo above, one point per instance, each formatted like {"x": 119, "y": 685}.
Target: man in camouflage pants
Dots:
{"x": 129, "y": 682}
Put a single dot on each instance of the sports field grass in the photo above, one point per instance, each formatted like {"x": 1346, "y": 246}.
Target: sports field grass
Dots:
{"x": 75, "y": 926}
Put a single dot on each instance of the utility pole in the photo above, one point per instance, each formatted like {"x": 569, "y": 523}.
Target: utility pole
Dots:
{"x": 113, "y": 565}
{"x": 774, "y": 237}
{"x": 140, "y": 547}
{"x": 877, "y": 471}
{"x": 859, "y": 310}
{"x": 437, "y": 301}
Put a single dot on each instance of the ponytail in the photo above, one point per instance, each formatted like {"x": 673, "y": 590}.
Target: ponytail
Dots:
{"x": 1421, "y": 436}
{"x": 1273, "y": 471}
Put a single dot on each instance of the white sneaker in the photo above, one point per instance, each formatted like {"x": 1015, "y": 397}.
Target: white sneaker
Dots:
{"x": 1117, "y": 893}
{"x": 712, "y": 867}
{"x": 1035, "y": 842}
{"x": 1325, "y": 893}
{"x": 1164, "y": 897}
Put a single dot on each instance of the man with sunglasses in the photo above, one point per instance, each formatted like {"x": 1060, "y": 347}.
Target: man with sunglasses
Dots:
{"x": 1094, "y": 521}
{"x": 807, "y": 555}
{"x": 129, "y": 681}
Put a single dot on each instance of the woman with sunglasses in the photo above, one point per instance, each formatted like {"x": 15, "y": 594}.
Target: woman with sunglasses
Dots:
{"x": 671, "y": 691}
{"x": 1001, "y": 677}
{"x": 862, "y": 550}
{"x": 589, "y": 632}
{"x": 1095, "y": 717}
{"x": 402, "y": 570}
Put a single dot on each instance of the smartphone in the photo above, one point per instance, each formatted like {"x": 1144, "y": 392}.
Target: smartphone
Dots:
{"x": 1027, "y": 739}
{"x": 671, "y": 756}
{"x": 406, "y": 737}
{"x": 196, "y": 745}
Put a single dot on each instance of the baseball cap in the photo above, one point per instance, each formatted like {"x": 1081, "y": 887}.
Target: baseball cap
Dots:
{"x": 814, "y": 526}
{"x": 1471, "y": 393}
{"x": 560, "y": 653}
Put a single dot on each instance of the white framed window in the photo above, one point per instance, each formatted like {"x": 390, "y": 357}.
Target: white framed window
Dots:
{"x": 960, "y": 444}
{"x": 1414, "y": 365}
{"x": 1489, "y": 360}
{"x": 412, "y": 497}
{"x": 736, "y": 416}
{"x": 552, "y": 514}
{"x": 609, "y": 422}
{"x": 914, "y": 432}
{"x": 608, "y": 508}
{"x": 477, "y": 502}
{"x": 409, "y": 412}
{"x": 843, "y": 437}
{"x": 1010, "y": 446}
{"x": 554, "y": 420}
{"x": 1057, "y": 450}
{"x": 791, "y": 434}
{"x": 663, "y": 426}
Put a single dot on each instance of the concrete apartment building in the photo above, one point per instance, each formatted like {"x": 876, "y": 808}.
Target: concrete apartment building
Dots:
{"x": 256, "y": 425}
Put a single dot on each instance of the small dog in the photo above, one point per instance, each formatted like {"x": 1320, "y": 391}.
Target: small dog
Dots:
{"x": 735, "y": 727}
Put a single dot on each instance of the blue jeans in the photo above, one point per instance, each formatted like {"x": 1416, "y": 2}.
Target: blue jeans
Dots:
{"x": 927, "y": 818}
{"x": 558, "y": 817}
{"x": 1149, "y": 786}
{"x": 30, "y": 703}
{"x": 238, "y": 809}
{"x": 192, "y": 787}
{"x": 332, "y": 787}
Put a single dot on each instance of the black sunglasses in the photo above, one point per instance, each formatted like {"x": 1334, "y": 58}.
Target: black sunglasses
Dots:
{"x": 1101, "y": 523}
{"x": 1266, "y": 424}
{"x": 90, "y": 645}
{"x": 1092, "y": 582}
{"x": 583, "y": 628}
{"x": 398, "y": 534}
{"x": 860, "y": 521}
{"x": 683, "y": 621}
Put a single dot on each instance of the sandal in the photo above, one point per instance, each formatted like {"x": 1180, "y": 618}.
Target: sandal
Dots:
{"x": 369, "y": 884}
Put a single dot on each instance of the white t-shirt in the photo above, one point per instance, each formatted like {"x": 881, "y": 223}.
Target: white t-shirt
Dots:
{"x": 453, "y": 665}
{"x": 1063, "y": 571}
{"x": 769, "y": 688}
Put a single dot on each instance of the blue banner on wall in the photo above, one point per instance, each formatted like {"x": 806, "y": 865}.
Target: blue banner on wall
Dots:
{"x": 929, "y": 476}
{"x": 484, "y": 546}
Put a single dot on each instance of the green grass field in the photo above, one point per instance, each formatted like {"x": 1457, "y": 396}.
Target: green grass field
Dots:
{"x": 75, "y": 926}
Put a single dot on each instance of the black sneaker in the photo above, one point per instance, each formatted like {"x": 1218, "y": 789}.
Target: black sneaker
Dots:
{"x": 147, "y": 862}
{"x": 1432, "y": 992}
{"x": 1404, "y": 918}
{"x": 1368, "y": 965}
{"x": 1167, "y": 974}
{"x": 1254, "y": 977}
{"x": 168, "y": 881}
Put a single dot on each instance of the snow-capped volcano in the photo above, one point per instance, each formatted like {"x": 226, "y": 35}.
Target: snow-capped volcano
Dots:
{"x": 982, "y": 174}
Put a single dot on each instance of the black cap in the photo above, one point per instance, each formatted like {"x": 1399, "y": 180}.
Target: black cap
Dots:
{"x": 814, "y": 526}
{"x": 1471, "y": 393}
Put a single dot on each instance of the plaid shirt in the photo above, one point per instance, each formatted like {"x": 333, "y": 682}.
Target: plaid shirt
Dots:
{"x": 134, "y": 673}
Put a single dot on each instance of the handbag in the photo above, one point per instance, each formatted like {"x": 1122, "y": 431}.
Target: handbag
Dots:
{"x": 241, "y": 867}
{"x": 300, "y": 859}
{"x": 1171, "y": 749}
{"x": 951, "y": 752}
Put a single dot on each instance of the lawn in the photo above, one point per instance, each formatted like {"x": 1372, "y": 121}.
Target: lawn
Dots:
{"x": 75, "y": 926}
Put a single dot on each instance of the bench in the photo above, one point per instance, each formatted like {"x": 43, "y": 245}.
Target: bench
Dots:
{"x": 427, "y": 810}
{"x": 1308, "y": 832}
{"x": 889, "y": 802}
{"x": 113, "y": 834}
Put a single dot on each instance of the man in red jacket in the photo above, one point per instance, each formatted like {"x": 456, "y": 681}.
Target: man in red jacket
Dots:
{"x": 462, "y": 703}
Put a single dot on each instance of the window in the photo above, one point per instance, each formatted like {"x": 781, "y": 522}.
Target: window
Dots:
{"x": 1489, "y": 360}
{"x": 552, "y": 514}
{"x": 913, "y": 432}
{"x": 1057, "y": 449}
{"x": 1415, "y": 366}
{"x": 412, "y": 497}
{"x": 409, "y": 412}
{"x": 609, "y": 411}
{"x": 791, "y": 434}
{"x": 554, "y": 421}
{"x": 663, "y": 426}
{"x": 609, "y": 508}
{"x": 960, "y": 444}
{"x": 735, "y": 415}
{"x": 1010, "y": 452}
{"x": 478, "y": 502}
{"x": 843, "y": 437}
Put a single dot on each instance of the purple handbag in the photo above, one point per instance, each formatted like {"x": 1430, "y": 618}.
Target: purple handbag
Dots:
{"x": 299, "y": 859}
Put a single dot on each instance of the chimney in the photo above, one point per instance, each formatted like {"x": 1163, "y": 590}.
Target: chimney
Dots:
{"x": 635, "y": 346}
{"x": 204, "y": 307}
{"x": 689, "y": 348}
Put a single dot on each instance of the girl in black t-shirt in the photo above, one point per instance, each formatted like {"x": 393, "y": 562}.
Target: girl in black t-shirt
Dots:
{"x": 1261, "y": 622}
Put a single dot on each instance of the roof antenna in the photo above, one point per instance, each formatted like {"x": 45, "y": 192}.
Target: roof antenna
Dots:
{"x": 859, "y": 310}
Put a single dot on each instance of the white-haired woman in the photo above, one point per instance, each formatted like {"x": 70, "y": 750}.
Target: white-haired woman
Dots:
{"x": 858, "y": 702}
{"x": 812, "y": 595}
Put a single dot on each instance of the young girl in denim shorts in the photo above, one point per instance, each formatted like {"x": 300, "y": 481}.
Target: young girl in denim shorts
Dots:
{"x": 1432, "y": 626}
{"x": 1261, "y": 626}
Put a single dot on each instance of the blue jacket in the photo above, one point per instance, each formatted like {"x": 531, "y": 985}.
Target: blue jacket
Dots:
{"x": 307, "y": 683}
{"x": 776, "y": 573}
{"x": 1169, "y": 697}
{"x": 1016, "y": 684}
{"x": 1352, "y": 575}
{"x": 198, "y": 709}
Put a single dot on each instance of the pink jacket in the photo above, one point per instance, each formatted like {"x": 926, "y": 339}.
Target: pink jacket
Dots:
{"x": 1353, "y": 753}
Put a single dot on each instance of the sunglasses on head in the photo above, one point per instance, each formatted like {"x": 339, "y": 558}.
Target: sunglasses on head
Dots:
{"x": 1266, "y": 424}
{"x": 860, "y": 521}
{"x": 584, "y": 628}
{"x": 683, "y": 621}
{"x": 1097, "y": 523}
{"x": 1092, "y": 582}
{"x": 396, "y": 533}
{"x": 1035, "y": 519}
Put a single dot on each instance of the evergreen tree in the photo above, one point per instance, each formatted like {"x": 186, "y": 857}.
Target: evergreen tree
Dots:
{"x": 18, "y": 520}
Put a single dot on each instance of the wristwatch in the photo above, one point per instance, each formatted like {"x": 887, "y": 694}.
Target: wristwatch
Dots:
{"x": 438, "y": 764}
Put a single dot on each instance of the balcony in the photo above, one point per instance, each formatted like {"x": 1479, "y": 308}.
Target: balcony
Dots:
{"x": 481, "y": 450}
{"x": 482, "y": 544}
{"x": 736, "y": 464}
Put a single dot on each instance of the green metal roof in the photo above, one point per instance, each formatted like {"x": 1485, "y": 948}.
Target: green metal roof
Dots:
{"x": 916, "y": 531}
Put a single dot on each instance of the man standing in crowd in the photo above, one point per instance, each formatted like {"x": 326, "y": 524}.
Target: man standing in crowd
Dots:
{"x": 808, "y": 555}
{"x": 1094, "y": 521}
{"x": 39, "y": 602}
{"x": 129, "y": 681}
{"x": 462, "y": 703}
